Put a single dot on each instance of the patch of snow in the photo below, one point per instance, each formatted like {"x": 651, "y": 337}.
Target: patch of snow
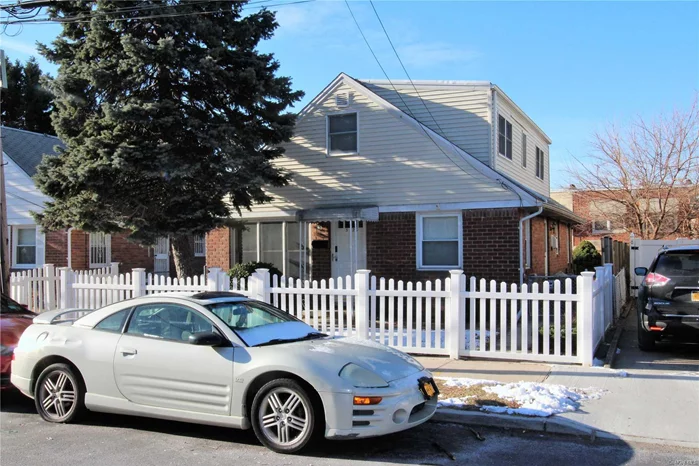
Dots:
{"x": 598, "y": 362}
{"x": 535, "y": 399}
{"x": 621, "y": 373}
{"x": 618, "y": 351}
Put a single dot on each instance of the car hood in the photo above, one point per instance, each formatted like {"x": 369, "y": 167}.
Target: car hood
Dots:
{"x": 390, "y": 364}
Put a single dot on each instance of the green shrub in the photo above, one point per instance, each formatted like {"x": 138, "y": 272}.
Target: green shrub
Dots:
{"x": 246, "y": 270}
{"x": 586, "y": 257}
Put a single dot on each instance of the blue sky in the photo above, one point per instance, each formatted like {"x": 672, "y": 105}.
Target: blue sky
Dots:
{"x": 573, "y": 67}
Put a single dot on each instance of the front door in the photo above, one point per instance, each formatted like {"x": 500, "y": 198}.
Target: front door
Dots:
{"x": 154, "y": 365}
{"x": 348, "y": 247}
{"x": 162, "y": 256}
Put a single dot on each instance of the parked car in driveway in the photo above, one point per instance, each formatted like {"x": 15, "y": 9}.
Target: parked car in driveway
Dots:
{"x": 668, "y": 297}
{"x": 14, "y": 318}
{"x": 222, "y": 359}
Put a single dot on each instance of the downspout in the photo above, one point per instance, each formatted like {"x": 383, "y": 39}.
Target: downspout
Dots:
{"x": 546, "y": 248}
{"x": 69, "y": 262}
{"x": 493, "y": 126}
{"x": 521, "y": 241}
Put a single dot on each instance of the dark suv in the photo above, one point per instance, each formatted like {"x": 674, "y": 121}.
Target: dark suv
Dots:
{"x": 668, "y": 298}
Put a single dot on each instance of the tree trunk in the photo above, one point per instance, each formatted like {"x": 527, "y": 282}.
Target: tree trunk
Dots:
{"x": 183, "y": 255}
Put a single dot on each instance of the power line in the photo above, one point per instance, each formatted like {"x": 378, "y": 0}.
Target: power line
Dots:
{"x": 102, "y": 15}
{"x": 407, "y": 107}
{"x": 444, "y": 135}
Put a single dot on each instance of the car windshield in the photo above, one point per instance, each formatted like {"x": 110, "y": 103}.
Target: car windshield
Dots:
{"x": 11, "y": 307}
{"x": 242, "y": 315}
{"x": 678, "y": 264}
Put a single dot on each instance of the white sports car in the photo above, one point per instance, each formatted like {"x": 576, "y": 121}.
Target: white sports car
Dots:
{"x": 221, "y": 359}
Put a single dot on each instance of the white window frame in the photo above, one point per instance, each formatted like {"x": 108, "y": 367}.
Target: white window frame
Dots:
{"x": 540, "y": 165}
{"x": 108, "y": 251}
{"x": 419, "y": 235}
{"x": 327, "y": 133}
{"x": 15, "y": 245}
{"x": 201, "y": 241}
{"x": 503, "y": 150}
{"x": 285, "y": 249}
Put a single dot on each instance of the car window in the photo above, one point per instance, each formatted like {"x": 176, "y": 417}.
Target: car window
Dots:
{"x": 11, "y": 307}
{"x": 244, "y": 315}
{"x": 678, "y": 264}
{"x": 113, "y": 323}
{"x": 168, "y": 321}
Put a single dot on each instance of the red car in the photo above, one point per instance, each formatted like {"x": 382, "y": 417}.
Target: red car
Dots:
{"x": 14, "y": 318}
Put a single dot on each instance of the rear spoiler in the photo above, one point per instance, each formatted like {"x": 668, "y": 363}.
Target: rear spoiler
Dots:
{"x": 61, "y": 316}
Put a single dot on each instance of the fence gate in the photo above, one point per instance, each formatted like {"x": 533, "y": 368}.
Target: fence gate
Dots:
{"x": 162, "y": 256}
{"x": 643, "y": 251}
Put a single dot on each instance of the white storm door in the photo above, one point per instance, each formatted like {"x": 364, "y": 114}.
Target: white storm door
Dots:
{"x": 348, "y": 247}
{"x": 162, "y": 256}
{"x": 153, "y": 367}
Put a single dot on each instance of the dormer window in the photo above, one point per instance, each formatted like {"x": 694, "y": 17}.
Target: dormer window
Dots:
{"x": 342, "y": 134}
{"x": 504, "y": 137}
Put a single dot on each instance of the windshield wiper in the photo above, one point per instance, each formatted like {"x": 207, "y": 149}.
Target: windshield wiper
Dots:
{"x": 310, "y": 336}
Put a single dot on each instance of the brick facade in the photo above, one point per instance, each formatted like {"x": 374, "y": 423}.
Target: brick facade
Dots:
{"x": 491, "y": 242}
{"x": 56, "y": 251}
{"x": 558, "y": 259}
{"x": 218, "y": 248}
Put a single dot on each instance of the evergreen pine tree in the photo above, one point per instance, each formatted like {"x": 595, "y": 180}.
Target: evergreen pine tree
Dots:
{"x": 170, "y": 115}
{"x": 27, "y": 102}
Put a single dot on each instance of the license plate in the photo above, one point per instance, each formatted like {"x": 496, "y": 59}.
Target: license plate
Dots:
{"x": 428, "y": 387}
{"x": 695, "y": 295}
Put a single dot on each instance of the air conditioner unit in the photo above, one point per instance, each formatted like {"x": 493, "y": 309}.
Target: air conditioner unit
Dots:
{"x": 342, "y": 99}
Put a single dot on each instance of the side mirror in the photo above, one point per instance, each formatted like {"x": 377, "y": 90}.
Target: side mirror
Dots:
{"x": 640, "y": 271}
{"x": 206, "y": 339}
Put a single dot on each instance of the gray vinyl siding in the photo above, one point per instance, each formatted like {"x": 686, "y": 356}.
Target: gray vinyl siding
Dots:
{"x": 397, "y": 165}
{"x": 462, "y": 112}
{"x": 513, "y": 168}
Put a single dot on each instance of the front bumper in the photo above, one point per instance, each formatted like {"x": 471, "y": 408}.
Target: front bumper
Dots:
{"x": 402, "y": 406}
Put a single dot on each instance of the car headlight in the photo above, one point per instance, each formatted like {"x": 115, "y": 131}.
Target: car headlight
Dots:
{"x": 6, "y": 350}
{"x": 360, "y": 377}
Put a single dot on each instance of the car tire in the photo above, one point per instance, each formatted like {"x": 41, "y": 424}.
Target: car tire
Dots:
{"x": 284, "y": 416}
{"x": 59, "y": 394}
{"x": 646, "y": 340}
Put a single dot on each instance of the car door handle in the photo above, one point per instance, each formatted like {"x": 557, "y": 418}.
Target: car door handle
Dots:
{"x": 128, "y": 351}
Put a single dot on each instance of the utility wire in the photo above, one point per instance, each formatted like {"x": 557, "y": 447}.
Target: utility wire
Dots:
{"x": 443, "y": 134}
{"x": 407, "y": 107}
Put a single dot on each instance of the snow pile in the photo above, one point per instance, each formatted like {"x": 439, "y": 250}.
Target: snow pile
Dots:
{"x": 532, "y": 399}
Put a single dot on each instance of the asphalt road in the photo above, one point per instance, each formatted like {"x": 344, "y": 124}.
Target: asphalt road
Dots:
{"x": 107, "y": 440}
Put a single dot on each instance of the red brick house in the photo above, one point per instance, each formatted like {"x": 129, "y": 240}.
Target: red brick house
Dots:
{"x": 409, "y": 184}
{"x": 603, "y": 217}
{"x": 30, "y": 247}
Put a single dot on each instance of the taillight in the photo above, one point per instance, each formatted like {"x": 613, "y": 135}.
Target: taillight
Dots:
{"x": 655, "y": 279}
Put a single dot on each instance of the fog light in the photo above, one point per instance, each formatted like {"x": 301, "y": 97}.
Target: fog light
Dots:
{"x": 400, "y": 416}
{"x": 367, "y": 400}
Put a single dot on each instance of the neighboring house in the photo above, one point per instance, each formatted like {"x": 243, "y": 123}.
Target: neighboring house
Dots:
{"x": 29, "y": 247}
{"x": 603, "y": 216}
{"x": 409, "y": 187}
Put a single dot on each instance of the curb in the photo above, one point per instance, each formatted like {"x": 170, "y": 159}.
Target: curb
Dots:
{"x": 611, "y": 352}
{"x": 537, "y": 424}
{"x": 552, "y": 425}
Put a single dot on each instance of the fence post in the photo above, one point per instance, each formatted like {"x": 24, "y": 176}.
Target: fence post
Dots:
{"x": 456, "y": 325}
{"x": 212, "y": 279}
{"x": 66, "y": 284}
{"x": 49, "y": 287}
{"x": 224, "y": 281}
{"x": 584, "y": 318}
{"x": 361, "y": 306}
{"x": 138, "y": 281}
{"x": 114, "y": 266}
{"x": 261, "y": 285}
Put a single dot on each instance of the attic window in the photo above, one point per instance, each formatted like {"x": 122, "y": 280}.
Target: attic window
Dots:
{"x": 342, "y": 134}
{"x": 342, "y": 99}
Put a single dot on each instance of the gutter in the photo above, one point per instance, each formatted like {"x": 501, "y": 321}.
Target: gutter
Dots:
{"x": 68, "y": 262}
{"x": 521, "y": 241}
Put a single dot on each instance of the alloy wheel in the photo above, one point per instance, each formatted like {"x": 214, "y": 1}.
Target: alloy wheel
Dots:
{"x": 284, "y": 417}
{"x": 57, "y": 395}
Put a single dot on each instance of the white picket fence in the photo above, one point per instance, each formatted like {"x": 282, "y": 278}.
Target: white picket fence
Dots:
{"x": 559, "y": 321}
